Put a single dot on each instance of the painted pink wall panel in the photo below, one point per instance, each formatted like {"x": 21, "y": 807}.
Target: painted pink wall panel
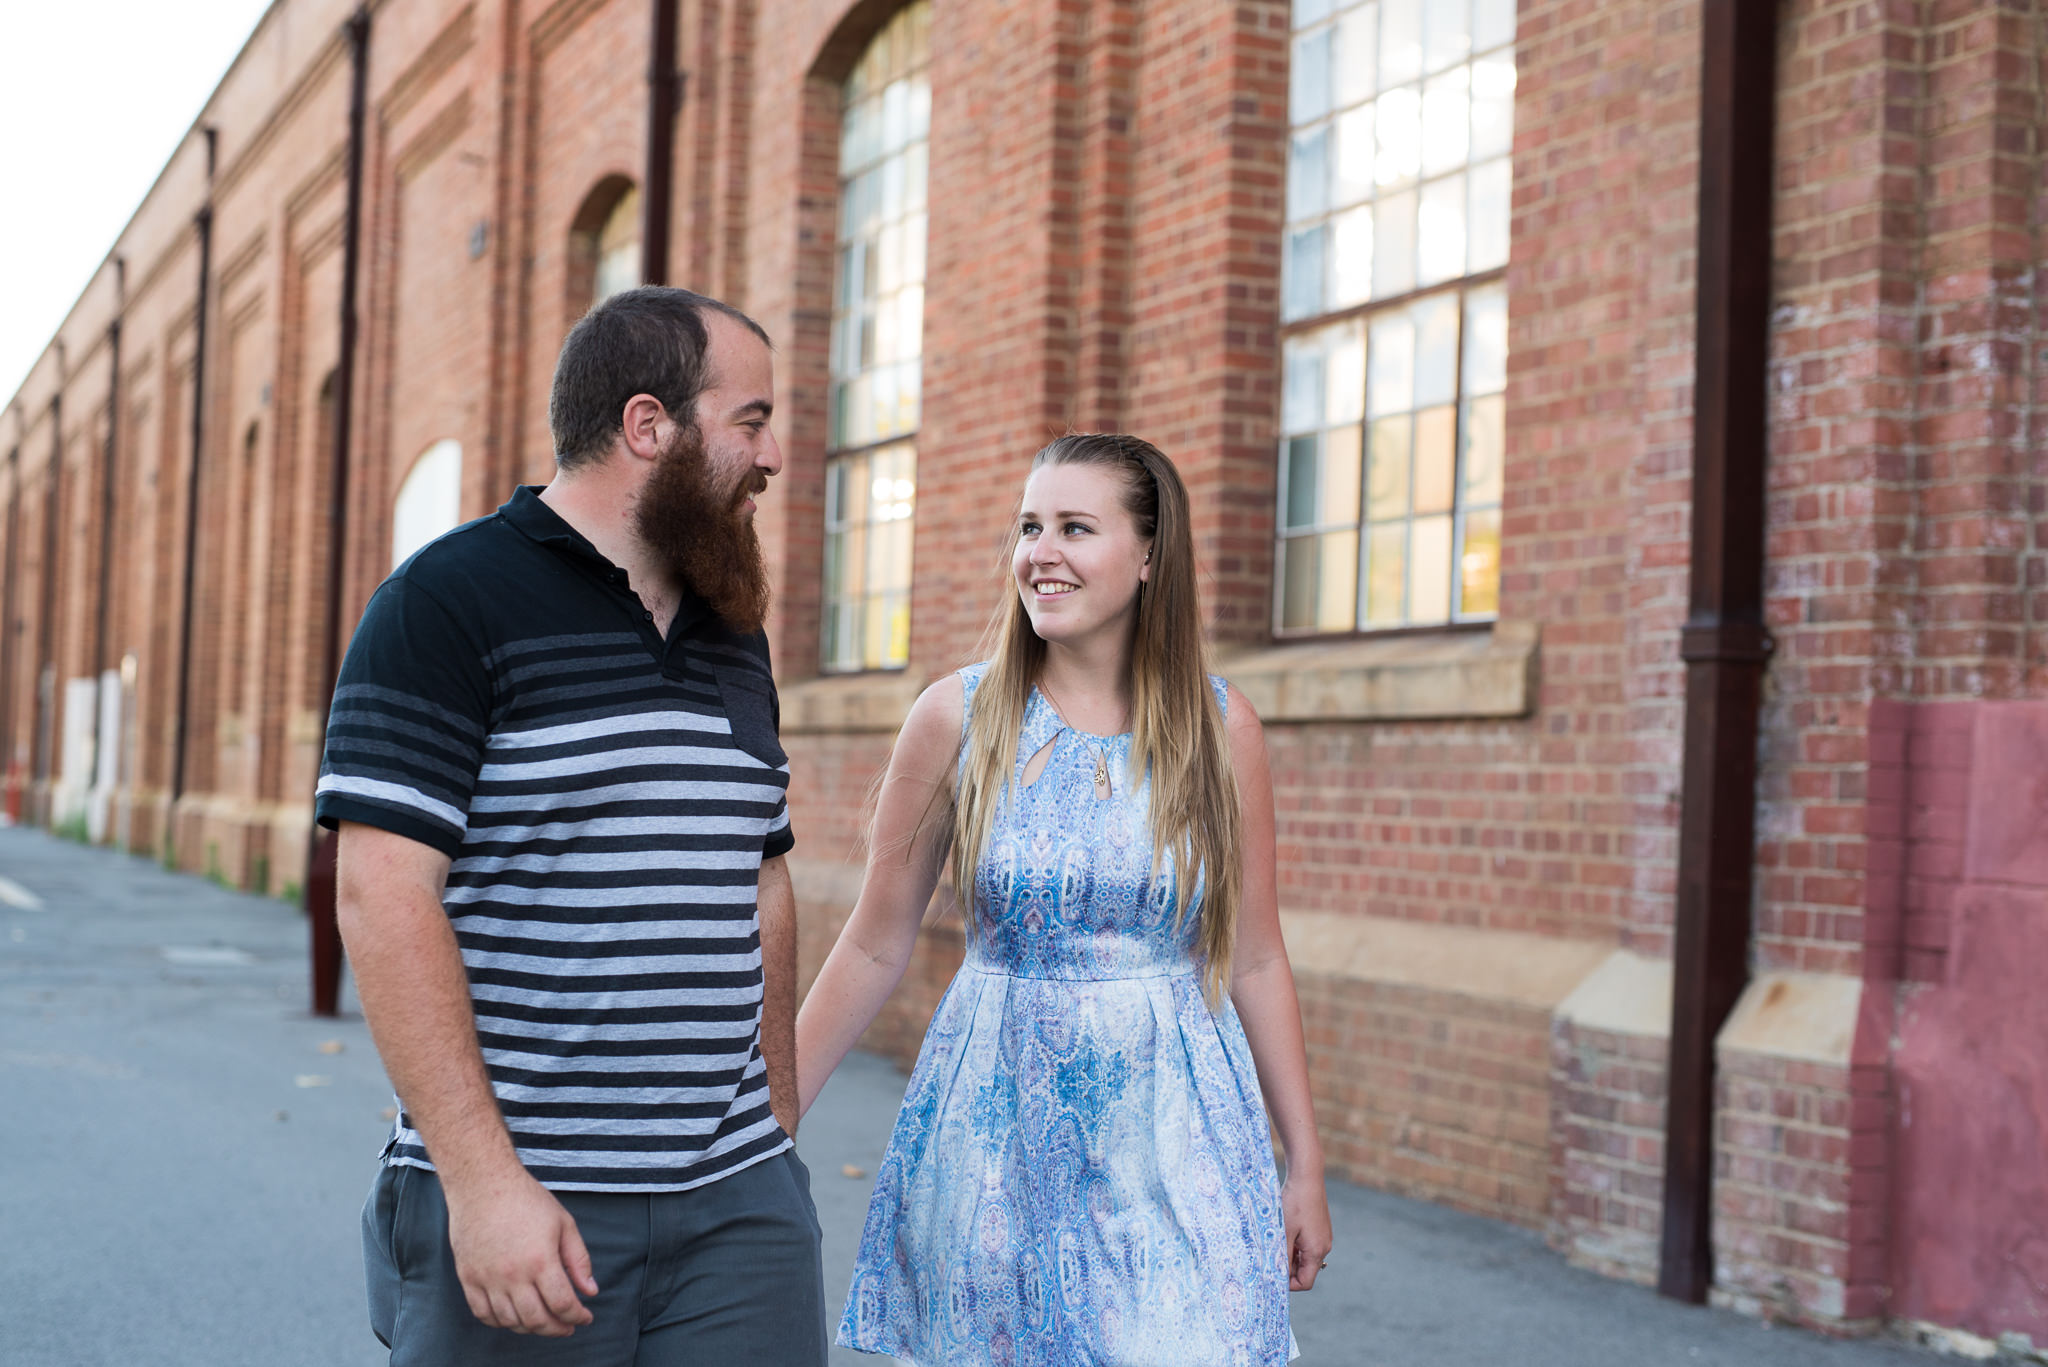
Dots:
{"x": 1971, "y": 1144}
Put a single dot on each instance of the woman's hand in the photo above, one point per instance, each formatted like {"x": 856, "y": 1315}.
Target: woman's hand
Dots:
{"x": 1305, "y": 1209}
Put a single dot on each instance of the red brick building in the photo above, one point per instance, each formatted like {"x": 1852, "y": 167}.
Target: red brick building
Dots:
{"x": 1409, "y": 291}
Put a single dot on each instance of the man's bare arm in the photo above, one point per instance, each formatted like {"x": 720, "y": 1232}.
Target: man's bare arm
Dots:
{"x": 777, "y": 901}
{"x": 517, "y": 1251}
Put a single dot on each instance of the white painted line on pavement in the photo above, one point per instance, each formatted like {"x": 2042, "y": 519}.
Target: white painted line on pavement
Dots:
{"x": 15, "y": 895}
{"x": 207, "y": 956}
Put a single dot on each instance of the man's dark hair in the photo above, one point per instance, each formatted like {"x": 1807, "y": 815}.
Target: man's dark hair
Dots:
{"x": 650, "y": 340}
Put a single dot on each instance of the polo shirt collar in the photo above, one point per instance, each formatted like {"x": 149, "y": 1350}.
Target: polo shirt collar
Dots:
{"x": 530, "y": 515}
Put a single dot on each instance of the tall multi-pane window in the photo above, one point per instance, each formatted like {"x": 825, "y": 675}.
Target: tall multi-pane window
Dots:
{"x": 1396, "y": 315}
{"x": 877, "y": 348}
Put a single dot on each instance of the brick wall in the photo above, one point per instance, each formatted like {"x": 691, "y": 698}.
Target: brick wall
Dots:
{"x": 1103, "y": 252}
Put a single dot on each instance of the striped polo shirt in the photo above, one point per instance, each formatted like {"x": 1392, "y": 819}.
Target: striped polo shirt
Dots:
{"x": 606, "y": 797}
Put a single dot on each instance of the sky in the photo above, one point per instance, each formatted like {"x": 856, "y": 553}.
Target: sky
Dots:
{"x": 95, "y": 95}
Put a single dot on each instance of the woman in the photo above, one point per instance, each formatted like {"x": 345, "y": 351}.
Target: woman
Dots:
{"x": 1082, "y": 1172}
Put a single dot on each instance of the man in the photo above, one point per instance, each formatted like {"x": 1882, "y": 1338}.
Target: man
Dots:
{"x": 560, "y": 799}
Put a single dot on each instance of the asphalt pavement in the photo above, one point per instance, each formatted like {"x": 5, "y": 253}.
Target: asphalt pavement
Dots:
{"x": 184, "y": 1153}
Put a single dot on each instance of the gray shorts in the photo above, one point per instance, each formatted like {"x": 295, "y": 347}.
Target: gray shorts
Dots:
{"x": 721, "y": 1274}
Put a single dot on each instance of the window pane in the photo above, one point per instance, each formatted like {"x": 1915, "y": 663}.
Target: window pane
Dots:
{"x": 1446, "y": 122}
{"x": 1486, "y": 340}
{"x": 1479, "y": 565}
{"x": 1493, "y": 23}
{"x": 1429, "y": 571}
{"x": 1308, "y": 174}
{"x": 1391, "y": 365}
{"x": 1343, "y": 375}
{"x": 1447, "y": 33}
{"x": 1301, "y": 404}
{"x": 1308, "y": 82}
{"x": 1299, "y": 580}
{"x": 1339, "y": 483}
{"x": 1486, "y": 210}
{"x": 1485, "y": 441}
{"x": 1436, "y": 350}
{"x": 897, "y": 646}
{"x": 1337, "y": 601}
{"x": 1397, "y": 125}
{"x": 1308, "y": 12}
{"x": 1355, "y": 63}
{"x": 1354, "y": 160}
{"x": 1493, "y": 107}
{"x": 1303, "y": 274}
{"x": 1435, "y": 448}
{"x": 1386, "y": 575}
{"x": 869, "y": 500}
{"x": 1400, "y": 41}
{"x": 1393, "y": 233}
{"x": 1351, "y": 257}
{"x": 1388, "y": 494}
{"x": 1301, "y": 482}
{"x": 1440, "y": 231}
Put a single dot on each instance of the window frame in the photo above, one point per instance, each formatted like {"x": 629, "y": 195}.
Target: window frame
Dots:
{"x": 834, "y": 418}
{"x": 1362, "y": 313}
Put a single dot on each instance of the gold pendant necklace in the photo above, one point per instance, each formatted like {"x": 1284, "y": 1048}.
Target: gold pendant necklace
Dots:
{"x": 1103, "y": 791}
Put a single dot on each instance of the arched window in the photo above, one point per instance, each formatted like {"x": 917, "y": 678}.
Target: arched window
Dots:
{"x": 604, "y": 245}
{"x": 1396, "y": 314}
{"x": 430, "y": 500}
{"x": 877, "y": 348}
{"x": 618, "y": 249}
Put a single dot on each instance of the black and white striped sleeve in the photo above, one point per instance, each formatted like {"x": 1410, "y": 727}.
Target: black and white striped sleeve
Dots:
{"x": 405, "y": 738}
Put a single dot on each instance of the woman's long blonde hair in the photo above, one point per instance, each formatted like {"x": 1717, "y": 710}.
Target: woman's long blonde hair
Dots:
{"x": 1176, "y": 726}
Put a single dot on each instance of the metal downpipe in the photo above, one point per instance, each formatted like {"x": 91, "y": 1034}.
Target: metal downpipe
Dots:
{"x": 1724, "y": 642}
{"x": 325, "y": 958}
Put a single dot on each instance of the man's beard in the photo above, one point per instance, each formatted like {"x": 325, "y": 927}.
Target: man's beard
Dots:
{"x": 699, "y": 530}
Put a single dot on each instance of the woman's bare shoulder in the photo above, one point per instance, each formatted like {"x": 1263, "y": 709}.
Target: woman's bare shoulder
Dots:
{"x": 930, "y": 738}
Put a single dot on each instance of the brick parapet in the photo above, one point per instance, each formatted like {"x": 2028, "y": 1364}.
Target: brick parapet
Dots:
{"x": 1607, "y": 1096}
{"x": 1800, "y": 1191}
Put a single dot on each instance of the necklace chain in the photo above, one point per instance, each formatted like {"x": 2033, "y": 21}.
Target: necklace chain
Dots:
{"x": 1103, "y": 789}
{"x": 1061, "y": 712}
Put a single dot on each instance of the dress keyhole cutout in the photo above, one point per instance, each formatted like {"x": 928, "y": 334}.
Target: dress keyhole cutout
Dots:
{"x": 1035, "y": 766}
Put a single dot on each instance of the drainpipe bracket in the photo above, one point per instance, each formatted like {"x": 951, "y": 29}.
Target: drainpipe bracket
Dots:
{"x": 1725, "y": 642}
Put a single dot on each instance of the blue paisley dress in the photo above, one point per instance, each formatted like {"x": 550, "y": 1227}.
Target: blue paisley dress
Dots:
{"x": 1081, "y": 1174}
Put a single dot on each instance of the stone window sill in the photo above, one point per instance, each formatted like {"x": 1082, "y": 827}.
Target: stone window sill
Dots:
{"x": 849, "y": 704}
{"x": 1415, "y": 677}
{"x": 1412, "y": 677}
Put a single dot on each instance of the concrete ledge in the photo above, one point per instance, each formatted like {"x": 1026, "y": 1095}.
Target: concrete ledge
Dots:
{"x": 1497, "y": 965}
{"x": 1425, "y": 676}
{"x": 1491, "y": 965}
{"x": 849, "y": 703}
{"x": 1809, "y": 1017}
{"x": 1628, "y": 994}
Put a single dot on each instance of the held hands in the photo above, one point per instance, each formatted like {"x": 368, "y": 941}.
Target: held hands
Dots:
{"x": 1305, "y": 1209}
{"x": 519, "y": 1257}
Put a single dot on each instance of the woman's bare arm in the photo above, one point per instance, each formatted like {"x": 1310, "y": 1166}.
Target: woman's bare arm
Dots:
{"x": 1262, "y": 988}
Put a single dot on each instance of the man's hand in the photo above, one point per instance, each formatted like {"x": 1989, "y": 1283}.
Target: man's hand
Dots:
{"x": 520, "y": 1258}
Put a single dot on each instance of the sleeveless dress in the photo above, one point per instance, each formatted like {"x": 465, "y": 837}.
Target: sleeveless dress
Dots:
{"x": 1082, "y": 1173}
